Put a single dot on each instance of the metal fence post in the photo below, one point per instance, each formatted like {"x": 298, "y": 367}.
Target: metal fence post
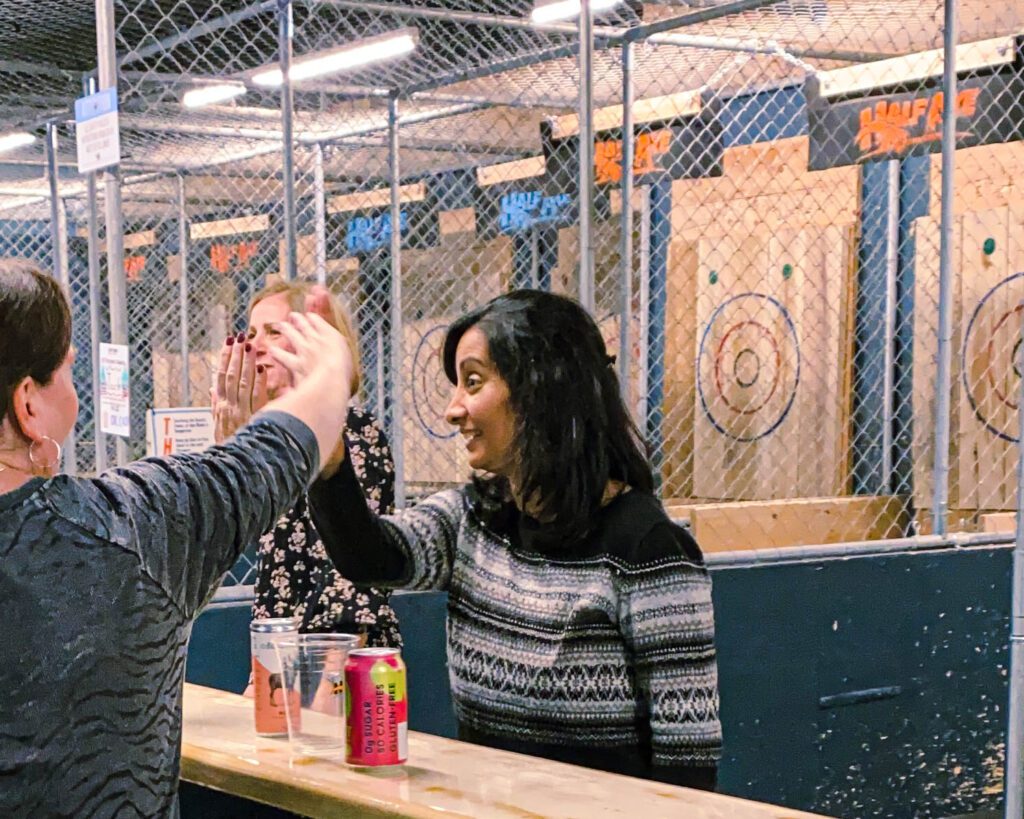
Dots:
{"x": 183, "y": 285}
{"x": 320, "y": 213}
{"x": 626, "y": 247}
{"x": 892, "y": 261}
{"x": 943, "y": 387}
{"x": 1014, "y": 775}
{"x": 586, "y": 156}
{"x": 284, "y": 41}
{"x": 93, "y": 230}
{"x": 397, "y": 385}
{"x": 116, "y": 280}
{"x": 59, "y": 237}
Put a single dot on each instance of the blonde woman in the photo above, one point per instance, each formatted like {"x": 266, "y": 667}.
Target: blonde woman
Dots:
{"x": 295, "y": 578}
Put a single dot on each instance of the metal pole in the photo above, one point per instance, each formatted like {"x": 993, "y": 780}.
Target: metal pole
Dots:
{"x": 586, "y": 155}
{"x": 320, "y": 213}
{"x": 92, "y": 223}
{"x": 59, "y": 240}
{"x": 284, "y": 43}
{"x": 626, "y": 249}
{"x": 534, "y": 258}
{"x": 397, "y": 414}
{"x": 1015, "y": 728}
{"x": 892, "y": 238}
{"x": 643, "y": 364}
{"x": 183, "y": 240}
{"x": 943, "y": 386}
{"x": 116, "y": 283}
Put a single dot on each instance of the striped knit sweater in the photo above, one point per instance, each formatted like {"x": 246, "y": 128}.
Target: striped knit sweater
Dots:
{"x": 604, "y": 657}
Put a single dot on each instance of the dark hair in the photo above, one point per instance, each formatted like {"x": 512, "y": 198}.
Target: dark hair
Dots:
{"x": 573, "y": 431}
{"x": 36, "y": 322}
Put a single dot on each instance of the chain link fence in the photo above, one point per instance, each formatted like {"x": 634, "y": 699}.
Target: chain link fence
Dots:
{"x": 757, "y": 228}
{"x": 773, "y": 301}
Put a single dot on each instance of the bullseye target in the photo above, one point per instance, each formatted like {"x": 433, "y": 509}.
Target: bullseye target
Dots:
{"x": 748, "y": 366}
{"x": 431, "y": 390}
{"x": 990, "y": 363}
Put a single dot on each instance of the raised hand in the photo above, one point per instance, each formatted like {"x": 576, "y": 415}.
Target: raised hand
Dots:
{"x": 241, "y": 387}
{"x": 318, "y": 349}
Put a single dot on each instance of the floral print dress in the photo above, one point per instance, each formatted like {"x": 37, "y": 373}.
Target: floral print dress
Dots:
{"x": 296, "y": 578}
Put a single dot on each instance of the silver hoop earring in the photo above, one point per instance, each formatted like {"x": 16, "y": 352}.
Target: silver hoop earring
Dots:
{"x": 49, "y": 464}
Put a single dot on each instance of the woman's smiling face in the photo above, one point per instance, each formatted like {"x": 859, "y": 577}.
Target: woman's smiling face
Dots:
{"x": 480, "y": 406}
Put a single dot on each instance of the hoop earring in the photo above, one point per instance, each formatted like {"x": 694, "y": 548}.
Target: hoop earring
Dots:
{"x": 49, "y": 464}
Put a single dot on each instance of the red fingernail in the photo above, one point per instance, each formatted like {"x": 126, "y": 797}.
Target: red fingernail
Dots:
{"x": 230, "y": 341}
{"x": 248, "y": 347}
{"x": 240, "y": 338}
{"x": 259, "y": 369}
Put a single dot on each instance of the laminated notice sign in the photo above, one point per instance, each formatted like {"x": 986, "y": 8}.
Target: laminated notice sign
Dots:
{"x": 97, "y": 134}
{"x": 178, "y": 430}
{"x": 115, "y": 404}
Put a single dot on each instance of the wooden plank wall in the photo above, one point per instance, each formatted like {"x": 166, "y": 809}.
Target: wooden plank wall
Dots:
{"x": 767, "y": 227}
{"x": 439, "y": 284}
{"x": 987, "y": 206}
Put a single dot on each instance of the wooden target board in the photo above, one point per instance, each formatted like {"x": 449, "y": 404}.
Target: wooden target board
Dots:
{"x": 439, "y": 284}
{"x": 434, "y": 451}
{"x": 988, "y": 291}
{"x": 771, "y": 352}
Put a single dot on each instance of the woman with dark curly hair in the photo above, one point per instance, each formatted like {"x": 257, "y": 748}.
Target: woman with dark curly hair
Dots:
{"x": 580, "y": 624}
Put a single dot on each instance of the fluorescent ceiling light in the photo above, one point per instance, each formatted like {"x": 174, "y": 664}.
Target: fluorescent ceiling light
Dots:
{"x": 549, "y": 12}
{"x": 210, "y": 94}
{"x": 8, "y": 142}
{"x": 360, "y": 53}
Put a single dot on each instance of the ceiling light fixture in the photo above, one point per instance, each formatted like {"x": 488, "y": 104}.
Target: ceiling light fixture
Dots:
{"x": 8, "y": 142}
{"x": 211, "y": 94}
{"x": 553, "y": 10}
{"x": 353, "y": 55}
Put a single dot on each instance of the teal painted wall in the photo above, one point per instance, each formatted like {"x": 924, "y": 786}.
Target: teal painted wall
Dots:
{"x": 866, "y": 687}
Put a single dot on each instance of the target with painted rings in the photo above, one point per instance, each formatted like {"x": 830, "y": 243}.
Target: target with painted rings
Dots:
{"x": 990, "y": 360}
{"x": 748, "y": 366}
{"x": 431, "y": 390}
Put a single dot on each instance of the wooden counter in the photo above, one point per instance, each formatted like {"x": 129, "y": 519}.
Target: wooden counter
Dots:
{"x": 443, "y": 778}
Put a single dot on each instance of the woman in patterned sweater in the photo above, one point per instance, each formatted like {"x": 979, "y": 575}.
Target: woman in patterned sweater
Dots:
{"x": 294, "y": 576}
{"x": 580, "y": 625}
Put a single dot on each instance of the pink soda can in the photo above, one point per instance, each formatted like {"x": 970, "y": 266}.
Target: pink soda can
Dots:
{"x": 376, "y": 708}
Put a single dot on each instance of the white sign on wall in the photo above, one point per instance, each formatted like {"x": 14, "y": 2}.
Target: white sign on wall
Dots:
{"x": 97, "y": 132}
{"x": 115, "y": 401}
{"x": 178, "y": 430}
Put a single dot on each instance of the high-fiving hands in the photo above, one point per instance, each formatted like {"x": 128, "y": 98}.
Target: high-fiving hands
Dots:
{"x": 317, "y": 350}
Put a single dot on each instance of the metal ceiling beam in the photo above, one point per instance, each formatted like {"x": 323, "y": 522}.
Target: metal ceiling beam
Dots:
{"x": 481, "y": 71}
{"x": 201, "y": 29}
{"x": 37, "y": 69}
{"x": 691, "y": 18}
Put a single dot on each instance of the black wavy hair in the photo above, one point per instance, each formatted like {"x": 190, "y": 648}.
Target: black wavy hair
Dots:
{"x": 573, "y": 432}
{"x": 36, "y": 322}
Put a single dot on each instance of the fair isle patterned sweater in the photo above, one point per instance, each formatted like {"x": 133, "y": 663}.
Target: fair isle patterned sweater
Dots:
{"x": 603, "y": 656}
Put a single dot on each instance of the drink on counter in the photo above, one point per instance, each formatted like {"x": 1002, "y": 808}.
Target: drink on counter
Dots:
{"x": 376, "y": 708}
{"x": 270, "y": 694}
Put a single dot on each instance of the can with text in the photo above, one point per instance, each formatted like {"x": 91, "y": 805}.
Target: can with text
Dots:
{"x": 270, "y": 695}
{"x": 376, "y": 708}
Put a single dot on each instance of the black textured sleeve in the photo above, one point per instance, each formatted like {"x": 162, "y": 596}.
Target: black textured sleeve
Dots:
{"x": 189, "y": 516}
{"x": 352, "y": 534}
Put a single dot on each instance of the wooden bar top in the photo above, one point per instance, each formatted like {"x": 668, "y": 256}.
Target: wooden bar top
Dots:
{"x": 442, "y": 778}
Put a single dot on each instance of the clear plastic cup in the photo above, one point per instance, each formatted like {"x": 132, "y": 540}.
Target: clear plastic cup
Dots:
{"x": 313, "y": 671}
